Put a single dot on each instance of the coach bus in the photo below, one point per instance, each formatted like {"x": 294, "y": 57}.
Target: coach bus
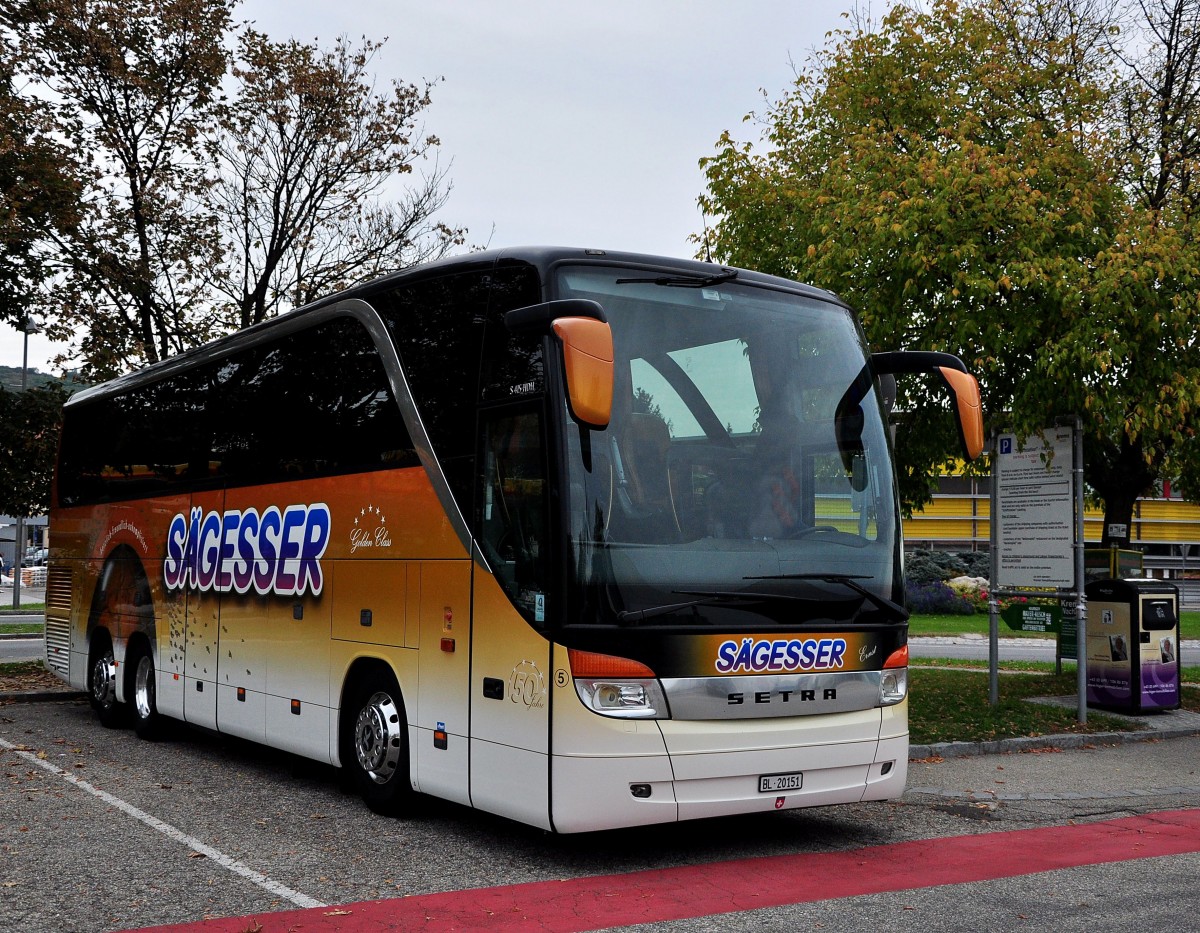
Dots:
{"x": 585, "y": 539}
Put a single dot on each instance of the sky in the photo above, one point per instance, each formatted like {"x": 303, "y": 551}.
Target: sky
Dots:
{"x": 566, "y": 123}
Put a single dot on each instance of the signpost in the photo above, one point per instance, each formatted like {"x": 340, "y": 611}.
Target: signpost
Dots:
{"x": 1037, "y": 542}
{"x": 1035, "y": 512}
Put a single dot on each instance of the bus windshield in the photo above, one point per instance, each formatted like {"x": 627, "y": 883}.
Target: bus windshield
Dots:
{"x": 744, "y": 476}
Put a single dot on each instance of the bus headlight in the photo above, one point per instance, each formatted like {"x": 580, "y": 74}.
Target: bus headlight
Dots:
{"x": 618, "y": 687}
{"x": 893, "y": 686}
{"x": 893, "y": 679}
{"x": 623, "y": 699}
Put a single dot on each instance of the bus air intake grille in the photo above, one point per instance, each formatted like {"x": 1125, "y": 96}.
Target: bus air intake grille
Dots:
{"x": 58, "y": 619}
{"x": 58, "y": 591}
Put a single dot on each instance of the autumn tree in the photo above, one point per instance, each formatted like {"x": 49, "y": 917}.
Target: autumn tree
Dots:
{"x": 137, "y": 80}
{"x": 961, "y": 176}
{"x": 305, "y": 151}
{"x": 39, "y": 191}
{"x": 223, "y": 177}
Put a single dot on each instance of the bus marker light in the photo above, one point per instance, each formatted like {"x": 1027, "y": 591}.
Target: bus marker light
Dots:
{"x": 448, "y": 645}
{"x": 241, "y": 694}
{"x": 295, "y": 707}
{"x": 440, "y": 739}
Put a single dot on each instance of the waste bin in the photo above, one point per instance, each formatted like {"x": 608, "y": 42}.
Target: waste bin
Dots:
{"x": 1132, "y": 645}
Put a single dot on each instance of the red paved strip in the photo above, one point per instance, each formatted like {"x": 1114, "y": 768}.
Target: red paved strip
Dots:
{"x": 745, "y": 884}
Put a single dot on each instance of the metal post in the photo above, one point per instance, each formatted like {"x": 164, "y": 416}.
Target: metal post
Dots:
{"x": 1080, "y": 600}
{"x": 19, "y": 539}
{"x": 994, "y": 602}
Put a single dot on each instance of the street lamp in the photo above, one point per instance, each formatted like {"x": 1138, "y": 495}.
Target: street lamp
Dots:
{"x": 29, "y": 325}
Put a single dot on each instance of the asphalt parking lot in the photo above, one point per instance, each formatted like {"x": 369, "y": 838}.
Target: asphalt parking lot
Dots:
{"x": 102, "y": 831}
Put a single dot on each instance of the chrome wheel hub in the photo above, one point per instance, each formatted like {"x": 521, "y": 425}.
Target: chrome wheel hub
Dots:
{"x": 378, "y": 740}
{"x": 143, "y": 688}
{"x": 104, "y": 680}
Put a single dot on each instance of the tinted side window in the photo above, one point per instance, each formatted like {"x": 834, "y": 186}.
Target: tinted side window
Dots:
{"x": 150, "y": 441}
{"x": 320, "y": 404}
{"x": 437, "y": 325}
{"x": 512, "y": 366}
{"x": 312, "y": 403}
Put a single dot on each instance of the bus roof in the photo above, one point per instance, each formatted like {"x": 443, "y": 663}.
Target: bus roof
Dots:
{"x": 542, "y": 258}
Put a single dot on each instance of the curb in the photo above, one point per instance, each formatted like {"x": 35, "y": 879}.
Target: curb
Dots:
{"x": 41, "y": 696}
{"x": 1030, "y": 743}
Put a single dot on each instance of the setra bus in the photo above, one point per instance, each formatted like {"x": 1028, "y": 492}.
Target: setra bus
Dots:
{"x": 581, "y": 538}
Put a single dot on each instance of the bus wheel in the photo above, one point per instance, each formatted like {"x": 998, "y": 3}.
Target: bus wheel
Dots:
{"x": 102, "y": 682}
{"x": 375, "y": 746}
{"x": 146, "y": 721}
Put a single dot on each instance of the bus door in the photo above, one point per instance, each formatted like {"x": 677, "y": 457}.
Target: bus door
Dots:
{"x": 510, "y": 654}
{"x": 202, "y": 621}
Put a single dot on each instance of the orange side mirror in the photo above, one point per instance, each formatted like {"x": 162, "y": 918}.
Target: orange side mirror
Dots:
{"x": 969, "y": 408}
{"x": 588, "y": 355}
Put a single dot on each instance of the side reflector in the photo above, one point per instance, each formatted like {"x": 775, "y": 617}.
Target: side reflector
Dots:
{"x": 295, "y": 707}
{"x": 448, "y": 645}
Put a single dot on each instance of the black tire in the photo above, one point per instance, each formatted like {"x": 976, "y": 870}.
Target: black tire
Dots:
{"x": 373, "y": 744}
{"x": 102, "y": 682}
{"x": 143, "y": 684}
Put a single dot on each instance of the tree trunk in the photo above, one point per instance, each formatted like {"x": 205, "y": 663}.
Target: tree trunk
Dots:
{"x": 1119, "y": 474}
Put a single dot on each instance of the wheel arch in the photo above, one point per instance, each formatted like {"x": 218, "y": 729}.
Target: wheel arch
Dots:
{"x": 360, "y": 669}
{"x": 123, "y": 608}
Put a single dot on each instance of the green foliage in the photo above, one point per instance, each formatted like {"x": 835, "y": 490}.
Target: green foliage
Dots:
{"x": 29, "y": 425}
{"x": 961, "y": 176}
{"x": 193, "y": 177}
{"x": 932, "y": 566}
{"x": 953, "y": 706}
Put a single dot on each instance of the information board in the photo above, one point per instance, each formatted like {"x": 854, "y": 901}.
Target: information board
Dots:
{"x": 1035, "y": 516}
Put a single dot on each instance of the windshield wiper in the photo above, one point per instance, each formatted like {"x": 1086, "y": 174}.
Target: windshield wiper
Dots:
{"x": 706, "y": 599}
{"x": 709, "y": 597}
{"x": 685, "y": 281}
{"x": 848, "y": 580}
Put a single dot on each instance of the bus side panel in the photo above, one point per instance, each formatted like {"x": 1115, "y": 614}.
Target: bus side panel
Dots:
{"x": 170, "y": 610}
{"x": 440, "y": 735}
{"x": 510, "y": 709}
{"x": 202, "y": 631}
{"x": 297, "y": 717}
{"x": 247, "y": 649}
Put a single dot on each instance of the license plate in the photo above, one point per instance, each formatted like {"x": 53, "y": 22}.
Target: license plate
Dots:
{"x": 775, "y": 783}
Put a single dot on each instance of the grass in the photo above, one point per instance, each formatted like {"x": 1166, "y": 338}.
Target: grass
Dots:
{"x": 1189, "y": 626}
{"x": 952, "y": 706}
{"x": 21, "y": 628}
{"x": 948, "y": 704}
{"x": 25, "y": 607}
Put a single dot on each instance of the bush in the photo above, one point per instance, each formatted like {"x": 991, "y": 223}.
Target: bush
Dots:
{"x": 978, "y": 563}
{"x": 932, "y": 566}
{"x": 936, "y": 598}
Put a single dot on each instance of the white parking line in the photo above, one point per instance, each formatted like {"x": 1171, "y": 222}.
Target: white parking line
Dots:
{"x": 245, "y": 871}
